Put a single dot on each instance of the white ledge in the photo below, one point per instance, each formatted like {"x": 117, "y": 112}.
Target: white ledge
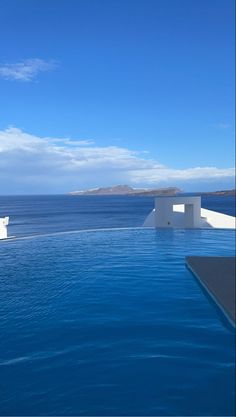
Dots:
{"x": 209, "y": 219}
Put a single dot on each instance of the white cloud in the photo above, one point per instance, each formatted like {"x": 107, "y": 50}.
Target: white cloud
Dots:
{"x": 26, "y": 70}
{"x": 190, "y": 174}
{"x": 58, "y": 165}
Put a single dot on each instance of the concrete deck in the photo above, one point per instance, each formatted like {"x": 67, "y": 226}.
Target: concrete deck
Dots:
{"x": 217, "y": 275}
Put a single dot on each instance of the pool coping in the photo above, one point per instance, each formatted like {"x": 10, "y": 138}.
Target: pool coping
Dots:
{"x": 104, "y": 229}
{"x": 221, "y": 286}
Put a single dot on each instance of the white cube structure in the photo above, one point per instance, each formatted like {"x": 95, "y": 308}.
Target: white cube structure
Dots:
{"x": 4, "y": 221}
{"x": 186, "y": 213}
{"x": 165, "y": 216}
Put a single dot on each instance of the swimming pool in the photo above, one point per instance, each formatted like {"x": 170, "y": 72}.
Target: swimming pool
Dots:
{"x": 113, "y": 323}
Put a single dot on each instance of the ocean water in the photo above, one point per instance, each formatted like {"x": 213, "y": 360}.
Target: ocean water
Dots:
{"x": 31, "y": 215}
{"x": 111, "y": 323}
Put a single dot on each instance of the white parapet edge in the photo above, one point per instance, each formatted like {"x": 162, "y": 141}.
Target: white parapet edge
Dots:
{"x": 209, "y": 219}
{"x": 4, "y": 221}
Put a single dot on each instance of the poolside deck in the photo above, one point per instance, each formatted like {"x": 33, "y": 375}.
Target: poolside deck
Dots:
{"x": 217, "y": 275}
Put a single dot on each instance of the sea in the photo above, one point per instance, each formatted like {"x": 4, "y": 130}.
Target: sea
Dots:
{"x": 42, "y": 214}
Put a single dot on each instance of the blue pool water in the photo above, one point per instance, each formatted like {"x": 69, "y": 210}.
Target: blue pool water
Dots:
{"x": 113, "y": 323}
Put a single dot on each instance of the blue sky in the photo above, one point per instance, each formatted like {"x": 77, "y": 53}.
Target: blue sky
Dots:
{"x": 101, "y": 92}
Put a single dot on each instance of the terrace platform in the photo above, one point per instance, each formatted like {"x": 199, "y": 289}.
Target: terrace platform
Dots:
{"x": 217, "y": 276}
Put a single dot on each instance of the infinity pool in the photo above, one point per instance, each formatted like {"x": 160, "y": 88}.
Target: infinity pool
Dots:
{"x": 113, "y": 323}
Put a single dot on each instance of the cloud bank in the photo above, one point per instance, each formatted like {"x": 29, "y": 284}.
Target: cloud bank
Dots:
{"x": 26, "y": 70}
{"x": 33, "y": 164}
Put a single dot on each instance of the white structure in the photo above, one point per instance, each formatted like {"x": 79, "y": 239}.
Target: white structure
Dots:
{"x": 186, "y": 212}
{"x": 3, "y": 227}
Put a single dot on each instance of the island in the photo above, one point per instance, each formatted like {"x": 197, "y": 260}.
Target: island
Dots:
{"x": 222, "y": 192}
{"x": 126, "y": 190}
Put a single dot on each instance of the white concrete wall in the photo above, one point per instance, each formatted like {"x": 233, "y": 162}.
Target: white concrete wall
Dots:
{"x": 165, "y": 216}
{"x": 208, "y": 219}
{"x": 4, "y": 221}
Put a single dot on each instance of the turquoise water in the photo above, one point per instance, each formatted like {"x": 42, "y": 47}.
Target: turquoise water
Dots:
{"x": 113, "y": 323}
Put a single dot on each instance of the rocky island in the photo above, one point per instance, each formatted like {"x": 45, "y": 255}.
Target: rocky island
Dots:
{"x": 126, "y": 190}
{"x": 222, "y": 192}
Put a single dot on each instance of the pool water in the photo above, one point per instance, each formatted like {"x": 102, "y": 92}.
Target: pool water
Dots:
{"x": 113, "y": 323}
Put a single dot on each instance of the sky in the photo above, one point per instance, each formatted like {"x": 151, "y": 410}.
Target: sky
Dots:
{"x": 105, "y": 92}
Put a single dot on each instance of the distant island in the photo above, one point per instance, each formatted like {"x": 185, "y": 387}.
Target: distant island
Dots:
{"x": 222, "y": 192}
{"x": 128, "y": 191}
